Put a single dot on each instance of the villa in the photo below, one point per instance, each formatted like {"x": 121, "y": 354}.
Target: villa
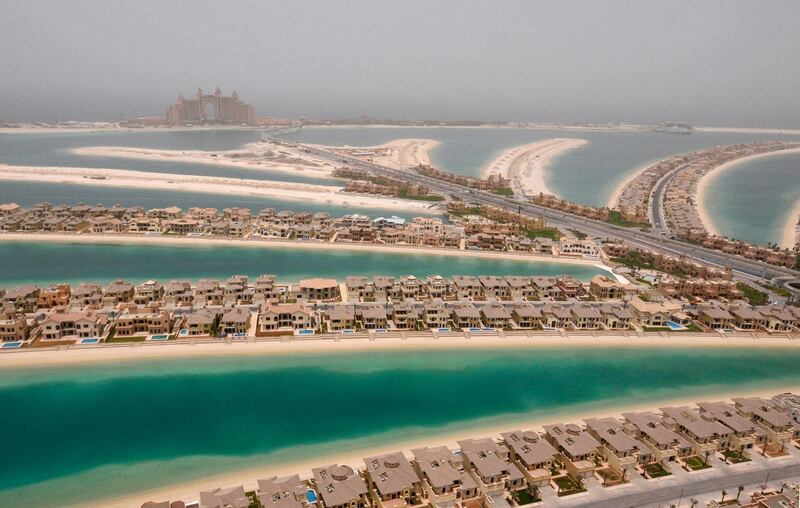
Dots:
{"x": 648, "y": 428}
{"x": 283, "y": 317}
{"x": 493, "y": 465}
{"x": 535, "y": 454}
{"x": 745, "y": 433}
{"x": 224, "y": 498}
{"x": 778, "y": 425}
{"x": 60, "y": 324}
{"x": 577, "y": 449}
{"x": 319, "y": 289}
{"x": 394, "y": 480}
{"x": 622, "y": 452}
{"x": 707, "y": 437}
{"x": 341, "y": 487}
{"x": 286, "y": 492}
{"x": 444, "y": 478}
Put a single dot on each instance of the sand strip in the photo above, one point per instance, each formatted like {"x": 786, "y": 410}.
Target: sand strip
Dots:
{"x": 526, "y": 164}
{"x": 324, "y": 194}
{"x": 791, "y": 229}
{"x": 254, "y": 156}
{"x": 706, "y": 183}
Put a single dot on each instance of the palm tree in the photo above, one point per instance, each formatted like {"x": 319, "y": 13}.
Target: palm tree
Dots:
{"x": 724, "y": 493}
{"x": 783, "y": 486}
{"x": 739, "y": 490}
{"x": 694, "y": 501}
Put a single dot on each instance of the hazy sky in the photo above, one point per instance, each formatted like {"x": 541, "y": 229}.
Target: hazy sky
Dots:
{"x": 706, "y": 62}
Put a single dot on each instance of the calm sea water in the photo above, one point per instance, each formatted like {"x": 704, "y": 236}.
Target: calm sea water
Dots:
{"x": 92, "y": 432}
{"x": 752, "y": 200}
{"x": 42, "y": 263}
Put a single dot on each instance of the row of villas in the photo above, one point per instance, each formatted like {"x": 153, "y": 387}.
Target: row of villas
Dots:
{"x": 684, "y": 220}
{"x": 513, "y": 468}
{"x": 473, "y": 233}
{"x": 267, "y": 308}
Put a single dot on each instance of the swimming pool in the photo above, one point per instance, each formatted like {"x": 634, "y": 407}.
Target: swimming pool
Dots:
{"x": 88, "y": 340}
{"x": 305, "y": 331}
{"x": 311, "y": 496}
{"x": 675, "y": 326}
{"x": 161, "y": 336}
{"x": 11, "y": 345}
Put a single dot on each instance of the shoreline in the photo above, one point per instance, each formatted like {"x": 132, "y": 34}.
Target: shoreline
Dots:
{"x": 791, "y": 229}
{"x": 404, "y": 152}
{"x": 131, "y": 239}
{"x": 87, "y": 355}
{"x": 620, "y": 188}
{"x": 320, "y": 169}
{"x": 324, "y": 194}
{"x": 527, "y": 164}
{"x": 705, "y": 183}
{"x": 353, "y": 454}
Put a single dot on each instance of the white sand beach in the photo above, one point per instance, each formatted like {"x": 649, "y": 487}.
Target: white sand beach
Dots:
{"x": 526, "y": 164}
{"x": 614, "y": 197}
{"x": 255, "y": 156}
{"x": 351, "y": 453}
{"x": 706, "y": 183}
{"x": 791, "y": 229}
{"x": 325, "y": 194}
{"x": 272, "y": 243}
{"x": 401, "y": 153}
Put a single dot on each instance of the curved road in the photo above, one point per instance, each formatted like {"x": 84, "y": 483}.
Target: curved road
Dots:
{"x": 744, "y": 269}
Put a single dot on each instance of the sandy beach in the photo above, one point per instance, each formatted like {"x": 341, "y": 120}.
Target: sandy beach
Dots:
{"x": 706, "y": 183}
{"x": 326, "y": 194}
{"x": 188, "y": 241}
{"x": 614, "y": 197}
{"x": 791, "y": 229}
{"x": 401, "y": 153}
{"x": 254, "y": 156}
{"x": 526, "y": 164}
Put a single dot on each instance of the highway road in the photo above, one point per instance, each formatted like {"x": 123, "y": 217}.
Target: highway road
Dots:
{"x": 744, "y": 269}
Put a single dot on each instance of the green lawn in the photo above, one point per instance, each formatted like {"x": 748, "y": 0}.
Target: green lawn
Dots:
{"x": 580, "y": 235}
{"x": 752, "y": 295}
{"x": 615, "y": 218}
{"x": 523, "y": 497}
{"x": 503, "y": 192}
{"x": 133, "y": 338}
{"x": 696, "y": 463}
{"x": 735, "y": 457}
{"x": 656, "y": 470}
{"x": 566, "y": 486}
{"x": 428, "y": 197}
{"x": 551, "y": 233}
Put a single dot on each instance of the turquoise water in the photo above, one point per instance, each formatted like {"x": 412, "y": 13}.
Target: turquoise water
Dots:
{"x": 30, "y": 193}
{"x": 752, "y": 200}
{"x": 41, "y": 263}
{"x": 81, "y": 433}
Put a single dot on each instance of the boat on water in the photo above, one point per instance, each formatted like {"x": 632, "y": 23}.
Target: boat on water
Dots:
{"x": 674, "y": 128}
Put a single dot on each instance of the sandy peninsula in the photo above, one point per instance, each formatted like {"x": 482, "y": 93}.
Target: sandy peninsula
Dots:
{"x": 613, "y": 199}
{"x": 352, "y": 452}
{"x": 526, "y": 164}
{"x": 254, "y": 156}
{"x": 399, "y": 153}
{"x": 325, "y": 194}
{"x": 706, "y": 184}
